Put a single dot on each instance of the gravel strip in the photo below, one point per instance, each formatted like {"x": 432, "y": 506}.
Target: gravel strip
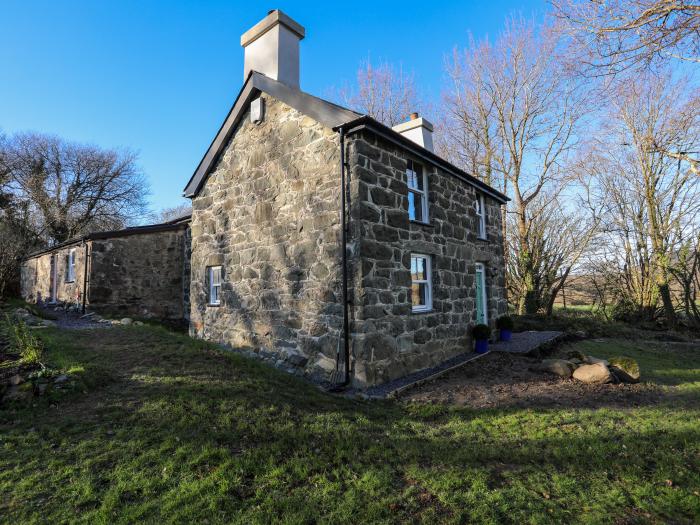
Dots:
{"x": 526, "y": 342}
{"x": 73, "y": 320}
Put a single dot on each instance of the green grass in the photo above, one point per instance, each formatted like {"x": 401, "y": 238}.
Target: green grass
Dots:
{"x": 167, "y": 429}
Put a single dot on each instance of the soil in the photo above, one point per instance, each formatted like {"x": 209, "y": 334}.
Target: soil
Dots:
{"x": 501, "y": 380}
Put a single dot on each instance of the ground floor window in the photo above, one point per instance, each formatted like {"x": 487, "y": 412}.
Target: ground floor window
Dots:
{"x": 214, "y": 278}
{"x": 421, "y": 283}
{"x": 70, "y": 266}
{"x": 482, "y": 316}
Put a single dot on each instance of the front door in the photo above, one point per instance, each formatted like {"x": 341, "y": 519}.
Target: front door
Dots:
{"x": 54, "y": 277}
{"x": 481, "y": 303}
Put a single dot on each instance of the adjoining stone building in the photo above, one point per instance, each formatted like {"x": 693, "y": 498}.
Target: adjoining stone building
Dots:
{"x": 418, "y": 263}
{"x": 141, "y": 271}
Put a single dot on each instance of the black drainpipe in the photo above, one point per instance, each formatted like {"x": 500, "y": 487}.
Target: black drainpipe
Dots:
{"x": 344, "y": 225}
{"x": 85, "y": 276}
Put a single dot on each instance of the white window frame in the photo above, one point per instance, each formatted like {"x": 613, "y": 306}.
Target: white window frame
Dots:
{"x": 70, "y": 270}
{"x": 484, "y": 294}
{"x": 480, "y": 206}
{"x": 214, "y": 285}
{"x": 410, "y": 166}
{"x": 428, "y": 281}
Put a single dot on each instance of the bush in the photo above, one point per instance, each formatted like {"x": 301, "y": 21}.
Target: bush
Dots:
{"x": 29, "y": 348}
{"x": 481, "y": 332}
{"x": 504, "y": 322}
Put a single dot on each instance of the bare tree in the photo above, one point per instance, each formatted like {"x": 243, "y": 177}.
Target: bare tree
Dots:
{"x": 616, "y": 35}
{"x": 513, "y": 110}
{"x": 651, "y": 199}
{"x": 176, "y": 212}
{"x": 385, "y": 93}
{"x": 71, "y": 188}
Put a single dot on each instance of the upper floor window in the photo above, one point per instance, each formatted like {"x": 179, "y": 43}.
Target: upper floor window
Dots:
{"x": 421, "y": 283}
{"x": 417, "y": 192}
{"x": 70, "y": 266}
{"x": 480, "y": 217}
{"x": 214, "y": 278}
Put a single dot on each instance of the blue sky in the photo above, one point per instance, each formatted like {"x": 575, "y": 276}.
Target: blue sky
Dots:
{"x": 159, "y": 77}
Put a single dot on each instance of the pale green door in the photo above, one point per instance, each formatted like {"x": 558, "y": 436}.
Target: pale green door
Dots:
{"x": 481, "y": 314}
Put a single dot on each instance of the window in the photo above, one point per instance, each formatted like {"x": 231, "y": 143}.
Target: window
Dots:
{"x": 214, "y": 278}
{"x": 70, "y": 266}
{"x": 417, "y": 193}
{"x": 481, "y": 302}
{"x": 480, "y": 217}
{"x": 421, "y": 285}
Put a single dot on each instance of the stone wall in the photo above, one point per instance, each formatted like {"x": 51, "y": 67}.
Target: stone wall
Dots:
{"x": 139, "y": 275}
{"x": 269, "y": 214}
{"x": 389, "y": 340}
{"x": 35, "y": 278}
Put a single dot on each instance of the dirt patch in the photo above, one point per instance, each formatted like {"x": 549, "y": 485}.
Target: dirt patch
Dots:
{"x": 503, "y": 380}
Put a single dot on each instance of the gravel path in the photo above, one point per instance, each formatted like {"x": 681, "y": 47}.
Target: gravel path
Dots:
{"x": 521, "y": 343}
{"x": 526, "y": 342}
{"x": 73, "y": 320}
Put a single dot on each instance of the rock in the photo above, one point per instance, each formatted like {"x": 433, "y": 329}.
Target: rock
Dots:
{"x": 297, "y": 359}
{"x": 61, "y": 379}
{"x": 590, "y": 360}
{"x": 596, "y": 373}
{"x": 559, "y": 367}
{"x": 581, "y": 334}
{"x": 625, "y": 369}
{"x": 126, "y": 321}
{"x": 16, "y": 379}
{"x": 48, "y": 322}
{"x": 89, "y": 314}
{"x": 18, "y": 393}
{"x": 138, "y": 323}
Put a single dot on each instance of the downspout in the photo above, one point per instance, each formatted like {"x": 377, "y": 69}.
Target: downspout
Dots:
{"x": 85, "y": 275}
{"x": 344, "y": 226}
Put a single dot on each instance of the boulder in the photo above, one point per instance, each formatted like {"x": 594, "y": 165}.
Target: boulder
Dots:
{"x": 590, "y": 360}
{"x": 61, "y": 379}
{"x": 16, "y": 379}
{"x": 625, "y": 369}
{"x": 596, "y": 373}
{"x": 126, "y": 321}
{"x": 558, "y": 367}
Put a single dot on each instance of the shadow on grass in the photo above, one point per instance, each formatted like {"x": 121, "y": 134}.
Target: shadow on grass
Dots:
{"x": 186, "y": 433}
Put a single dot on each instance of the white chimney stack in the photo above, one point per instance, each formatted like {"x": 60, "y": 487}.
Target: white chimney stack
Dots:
{"x": 272, "y": 48}
{"x": 418, "y": 130}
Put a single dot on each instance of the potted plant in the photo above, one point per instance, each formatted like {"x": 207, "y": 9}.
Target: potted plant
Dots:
{"x": 505, "y": 327}
{"x": 481, "y": 333}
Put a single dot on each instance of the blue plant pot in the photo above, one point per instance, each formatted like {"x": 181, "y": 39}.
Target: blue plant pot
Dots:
{"x": 505, "y": 335}
{"x": 481, "y": 346}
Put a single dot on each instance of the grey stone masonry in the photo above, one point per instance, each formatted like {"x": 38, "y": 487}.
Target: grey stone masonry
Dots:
{"x": 389, "y": 339}
{"x": 269, "y": 215}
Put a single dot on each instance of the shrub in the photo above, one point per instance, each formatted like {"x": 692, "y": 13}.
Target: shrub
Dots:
{"x": 25, "y": 343}
{"x": 504, "y": 322}
{"x": 626, "y": 367}
{"x": 575, "y": 354}
{"x": 481, "y": 332}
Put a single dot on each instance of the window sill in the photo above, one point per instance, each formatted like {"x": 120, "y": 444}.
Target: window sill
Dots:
{"x": 421, "y": 311}
{"x": 483, "y": 239}
{"x": 213, "y": 305}
{"x": 69, "y": 282}
{"x": 422, "y": 223}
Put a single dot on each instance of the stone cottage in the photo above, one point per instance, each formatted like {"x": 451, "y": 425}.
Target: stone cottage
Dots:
{"x": 141, "y": 271}
{"x": 330, "y": 243}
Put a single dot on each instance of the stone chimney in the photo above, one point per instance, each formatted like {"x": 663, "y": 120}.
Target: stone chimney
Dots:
{"x": 272, "y": 48}
{"x": 418, "y": 130}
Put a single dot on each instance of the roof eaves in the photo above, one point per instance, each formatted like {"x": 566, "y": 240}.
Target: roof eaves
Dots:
{"x": 374, "y": 126}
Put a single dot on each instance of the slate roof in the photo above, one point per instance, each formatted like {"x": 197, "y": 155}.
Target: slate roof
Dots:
{"x": 328, "y": 114}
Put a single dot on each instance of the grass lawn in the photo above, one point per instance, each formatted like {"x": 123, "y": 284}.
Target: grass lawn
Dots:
{"x": 167, "y": 429}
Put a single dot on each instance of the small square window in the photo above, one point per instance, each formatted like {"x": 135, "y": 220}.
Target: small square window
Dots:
{"x": 417, "y": 193}
{"x": 480, "y": 217}
{"x": 214, "y": 278}
{"x": 421, "y": 283}
{"x": 70, "y": 266}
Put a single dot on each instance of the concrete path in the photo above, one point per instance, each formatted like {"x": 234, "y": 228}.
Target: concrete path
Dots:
{"x": 526, "y": 342}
